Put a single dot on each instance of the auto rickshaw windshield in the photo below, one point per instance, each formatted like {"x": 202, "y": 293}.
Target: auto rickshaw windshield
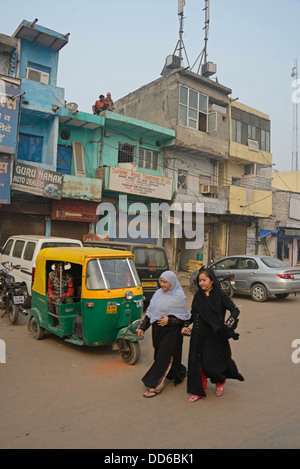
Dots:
{"x": 111, "y": 273}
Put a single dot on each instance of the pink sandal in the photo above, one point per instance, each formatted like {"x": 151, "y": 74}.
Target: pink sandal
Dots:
{"x": 194, "y": 398}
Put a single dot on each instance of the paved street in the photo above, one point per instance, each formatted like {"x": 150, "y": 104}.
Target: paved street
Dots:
{"x": 57, "y": 395}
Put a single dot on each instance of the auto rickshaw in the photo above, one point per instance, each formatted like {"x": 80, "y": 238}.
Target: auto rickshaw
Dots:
{"x": 107, "y": 304}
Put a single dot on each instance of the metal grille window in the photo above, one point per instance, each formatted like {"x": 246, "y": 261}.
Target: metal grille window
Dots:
{"x": 148, "y": 159}
{"x": 126, "y": 153}
{"x": 193, "y": 109}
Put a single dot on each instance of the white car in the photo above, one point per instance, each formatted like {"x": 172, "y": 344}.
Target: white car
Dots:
{"x": 23, "y": 249}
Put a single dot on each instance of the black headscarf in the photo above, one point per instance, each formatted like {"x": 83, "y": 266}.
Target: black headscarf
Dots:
{"x": 210, "y": 307}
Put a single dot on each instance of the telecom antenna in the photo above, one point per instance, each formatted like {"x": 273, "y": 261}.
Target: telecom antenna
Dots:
{"x": 294, "y": 75}
{"x": 207, "y": 68}
{"x": 175, "y": 61}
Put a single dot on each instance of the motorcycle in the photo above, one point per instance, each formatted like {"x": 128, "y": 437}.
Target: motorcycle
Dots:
{"x": 226, "y": 283}
{"x": 12, "y": 299}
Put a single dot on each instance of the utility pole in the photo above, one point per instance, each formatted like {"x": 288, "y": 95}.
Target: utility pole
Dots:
{"x": 294, "y": 75}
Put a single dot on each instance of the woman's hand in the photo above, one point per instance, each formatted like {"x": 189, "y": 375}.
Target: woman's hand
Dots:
{"x": 140, "y": 333}
{"x": 186, "y": 331}
{"x": 163, "y": 321}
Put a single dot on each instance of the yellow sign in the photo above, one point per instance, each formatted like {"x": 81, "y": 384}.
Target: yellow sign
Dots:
{"x": 111, "y": 309}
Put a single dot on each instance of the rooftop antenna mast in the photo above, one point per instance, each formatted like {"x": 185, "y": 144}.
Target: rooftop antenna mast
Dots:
{"x": 175, "y": 61}
{"x": 180, "y": 44}
{"x": 207, "y": 68}
{"x": 294, "y": 74}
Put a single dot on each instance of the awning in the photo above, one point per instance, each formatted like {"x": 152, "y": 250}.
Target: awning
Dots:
{"x": 265, "y": 233}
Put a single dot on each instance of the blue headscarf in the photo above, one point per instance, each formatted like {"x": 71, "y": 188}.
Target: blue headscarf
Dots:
{"x": 171, "y": 302}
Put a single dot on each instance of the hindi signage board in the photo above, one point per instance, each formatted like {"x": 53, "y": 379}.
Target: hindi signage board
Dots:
{"x": 5, "y": 179}
{"x": 9, "y": 116}
{"x": 138, "y": 183}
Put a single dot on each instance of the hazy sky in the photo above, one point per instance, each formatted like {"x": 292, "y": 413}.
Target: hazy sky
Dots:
{"x": 120, "y": 45}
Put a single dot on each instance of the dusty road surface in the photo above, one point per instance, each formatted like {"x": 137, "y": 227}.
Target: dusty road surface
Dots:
{"x": 57, "y": 395}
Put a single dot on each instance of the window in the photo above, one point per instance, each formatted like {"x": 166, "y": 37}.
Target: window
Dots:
{"x": 110, "y": 273}
{"x": 224, "y": 264}
{"x": 7, "y": 247}
{"x": 126, "y": 153}
{"x": 236, "y": 131}
{"x": 78, "y": 155}
{"x": 249, "y": 169}
{"x": 64, "y": 159}
{"x": 29, "y": 250}
{"x": 148, "y": 159}
{"x": 252, "y": 132}
{"x": 154, "y": 257}
{"x": 30, "y": 148}
{"x": 18, "y": 248}
{"x": 265, "y": 140}
{"x": 250, "y": 129}
{"x": 193, "y": 109}
{"x": 246, "y": 263}
{"x": 182, "y": 180}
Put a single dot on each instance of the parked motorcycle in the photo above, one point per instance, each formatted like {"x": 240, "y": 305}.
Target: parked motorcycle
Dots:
{"x": 12, "y": 299}
{"x": 226, "y": 283}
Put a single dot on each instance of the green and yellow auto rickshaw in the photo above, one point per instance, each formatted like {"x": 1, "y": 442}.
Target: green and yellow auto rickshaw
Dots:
{"x": 106, "y": 301}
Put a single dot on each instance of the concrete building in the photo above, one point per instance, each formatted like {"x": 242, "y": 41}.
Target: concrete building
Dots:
{"x": 61, "y": 163}
{"x": 280, "y": 234}
{"x": 219, "y": 158}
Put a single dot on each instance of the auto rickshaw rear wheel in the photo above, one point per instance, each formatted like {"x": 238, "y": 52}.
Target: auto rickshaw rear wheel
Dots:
{"x": 36, "y": 331}
{"x": 130, "y": 351}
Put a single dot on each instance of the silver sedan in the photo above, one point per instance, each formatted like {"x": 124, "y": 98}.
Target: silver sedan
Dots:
{"x": 260, "y": 276}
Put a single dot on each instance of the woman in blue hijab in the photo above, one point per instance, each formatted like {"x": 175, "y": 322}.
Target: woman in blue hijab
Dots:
{"x": 167, "y": 313}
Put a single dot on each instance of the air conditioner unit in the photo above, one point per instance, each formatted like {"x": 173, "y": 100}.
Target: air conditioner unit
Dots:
{"x": 208, "y": 189}
{"x": 37, "y": 75}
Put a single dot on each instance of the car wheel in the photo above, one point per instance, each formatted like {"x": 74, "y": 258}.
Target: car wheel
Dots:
{"x": 259, "y": 292}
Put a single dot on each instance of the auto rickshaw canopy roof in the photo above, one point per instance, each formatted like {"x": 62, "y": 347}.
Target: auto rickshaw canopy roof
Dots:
{"x": 78, "y": 255}
{"x": 74, "y": 255}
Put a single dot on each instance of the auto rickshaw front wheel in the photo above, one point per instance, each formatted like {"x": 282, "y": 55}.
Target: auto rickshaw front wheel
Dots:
{"x": 130, "y": 351}
{"x": 36, "y": 331}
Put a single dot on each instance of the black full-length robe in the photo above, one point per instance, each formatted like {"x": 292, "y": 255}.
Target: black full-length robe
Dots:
{"x": 167, "y": 343}
{"x": 209, "y": 347}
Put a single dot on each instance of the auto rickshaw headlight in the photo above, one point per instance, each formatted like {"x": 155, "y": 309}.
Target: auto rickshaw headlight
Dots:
{"x": 129, "y": 295}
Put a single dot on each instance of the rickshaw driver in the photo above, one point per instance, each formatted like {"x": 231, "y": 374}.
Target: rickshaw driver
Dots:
{"x": 54, "y": 288}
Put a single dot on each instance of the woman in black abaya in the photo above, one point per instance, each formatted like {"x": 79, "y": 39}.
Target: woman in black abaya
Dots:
{"x": 210, "y": 353}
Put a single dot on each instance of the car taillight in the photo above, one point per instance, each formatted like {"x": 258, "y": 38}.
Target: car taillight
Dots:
{"x": 33, "y": 274}
{"x": 285, "y": 276}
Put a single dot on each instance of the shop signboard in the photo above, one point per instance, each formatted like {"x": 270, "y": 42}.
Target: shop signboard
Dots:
{"x": 5, "y": 179}
{"x": 9, "y": 116}
{"x": 37, "y": 181}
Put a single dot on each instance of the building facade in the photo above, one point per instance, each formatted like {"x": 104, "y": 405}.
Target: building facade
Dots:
{"x": 64, "y": 163}
{"x": 280, "y": 234}
{"x": 221, "y": 158}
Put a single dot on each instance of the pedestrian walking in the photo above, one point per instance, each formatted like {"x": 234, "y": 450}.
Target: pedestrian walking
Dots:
{"x": 167, "y": 314}
{"x": 210, "y": 352}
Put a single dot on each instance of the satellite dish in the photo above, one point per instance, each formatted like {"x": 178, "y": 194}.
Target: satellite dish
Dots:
{"x": 72, "y": 107}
